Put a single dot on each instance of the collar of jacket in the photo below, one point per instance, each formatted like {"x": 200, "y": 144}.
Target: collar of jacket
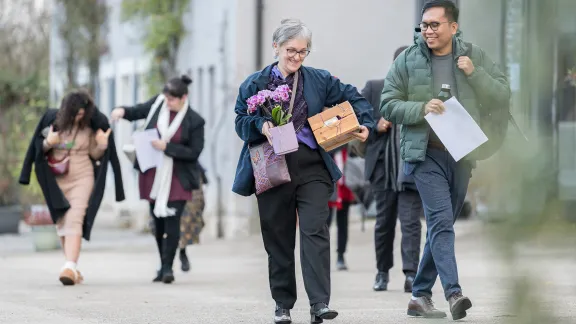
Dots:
{"x": 263, "y": 77}
{"x": 459, "y": 47}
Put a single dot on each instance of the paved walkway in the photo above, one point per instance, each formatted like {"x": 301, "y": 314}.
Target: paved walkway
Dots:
{"x": 228, "y": 284}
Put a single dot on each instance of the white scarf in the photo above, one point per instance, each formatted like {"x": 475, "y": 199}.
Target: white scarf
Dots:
{"x": 163, "y": 178}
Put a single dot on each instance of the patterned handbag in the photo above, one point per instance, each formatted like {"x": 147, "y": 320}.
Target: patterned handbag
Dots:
{"x": 270, "y": 170}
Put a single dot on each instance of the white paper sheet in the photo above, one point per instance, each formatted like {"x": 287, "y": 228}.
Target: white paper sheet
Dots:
{"x": 148, "y": 157}
{"x": 456, "y": 129}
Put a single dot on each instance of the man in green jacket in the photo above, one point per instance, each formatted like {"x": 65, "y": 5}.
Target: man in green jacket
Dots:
{"x": 439, "y": 56}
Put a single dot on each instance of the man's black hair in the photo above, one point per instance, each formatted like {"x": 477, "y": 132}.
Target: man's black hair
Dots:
{"x": 450, "y": 10}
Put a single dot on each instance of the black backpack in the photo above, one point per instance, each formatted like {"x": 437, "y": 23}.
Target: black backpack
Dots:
{"x": 494, "y": 123}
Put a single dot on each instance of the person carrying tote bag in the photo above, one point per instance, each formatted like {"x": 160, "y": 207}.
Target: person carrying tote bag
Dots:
{"x": 170, "y": 186}
{"x": 312, "y": 170}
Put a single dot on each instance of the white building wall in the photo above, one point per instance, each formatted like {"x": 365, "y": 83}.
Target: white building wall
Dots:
{"x": 355, "y": 41}
{"x": 355, "y": 48}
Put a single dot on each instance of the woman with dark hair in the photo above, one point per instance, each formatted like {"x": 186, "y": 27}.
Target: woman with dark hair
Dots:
{"x": 70, "y": 150}
{"x": 170, "y": 186}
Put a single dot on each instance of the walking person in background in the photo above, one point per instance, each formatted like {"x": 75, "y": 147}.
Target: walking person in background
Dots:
{"x": 70, "y": 150}
{"x": 439, "y": 56}
{"x": 191, "y": 224}
{"x": 312, "y": 170}
{"x": 340, "y": 202}
{"x": 396, "y": 195}
{"x": 169, "y": 187}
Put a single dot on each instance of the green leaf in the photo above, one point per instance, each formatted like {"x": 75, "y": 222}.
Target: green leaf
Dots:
{"x": 276, "y": 114}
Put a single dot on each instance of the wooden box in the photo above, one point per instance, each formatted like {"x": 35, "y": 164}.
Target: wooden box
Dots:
{"x": 334, "y": 126}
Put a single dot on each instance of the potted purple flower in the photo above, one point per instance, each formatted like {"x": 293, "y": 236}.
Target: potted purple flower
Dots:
{"x": 283, "y": 134}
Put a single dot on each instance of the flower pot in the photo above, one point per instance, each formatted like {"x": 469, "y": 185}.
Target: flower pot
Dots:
{"x": 10, "y": 217}
{"x": 45, "y": 238}
{"x": 284, "y": 139}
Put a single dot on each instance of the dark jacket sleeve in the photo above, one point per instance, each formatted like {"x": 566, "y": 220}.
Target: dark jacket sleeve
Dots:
{"x": 248, "y": 126}
{"x": 191, "y": 151}
{"x": 338, "y": 92}
{"x": 102, "y": 122}
{"x": 139, "y": 111}
{"x": 26, "y": 171}
{"x": 394, "y": 105}
{"x": 368, "y": 92}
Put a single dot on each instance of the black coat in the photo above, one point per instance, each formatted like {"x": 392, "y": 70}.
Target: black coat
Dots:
{"x": 55, "y": 199}
{"x": 376, "y": 142}
{"x": 186, "y": 153}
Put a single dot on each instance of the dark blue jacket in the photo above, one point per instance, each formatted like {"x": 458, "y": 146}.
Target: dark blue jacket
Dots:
{"x": 321, "y": 90}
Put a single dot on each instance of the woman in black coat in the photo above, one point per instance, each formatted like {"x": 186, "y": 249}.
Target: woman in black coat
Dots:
{"x": 76, "y": 138}
{"x": 169, "y": 187}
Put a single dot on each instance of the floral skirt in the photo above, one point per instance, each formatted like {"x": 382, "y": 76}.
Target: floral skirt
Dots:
{"x": 191, "y": 221}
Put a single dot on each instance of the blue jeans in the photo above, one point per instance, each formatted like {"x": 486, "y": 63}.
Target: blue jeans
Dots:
{"x": 442, "y": 184}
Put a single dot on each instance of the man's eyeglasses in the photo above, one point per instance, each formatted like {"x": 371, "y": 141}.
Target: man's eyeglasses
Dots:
{"x": 292, "y": 52}
{"x": 434, "y": 25}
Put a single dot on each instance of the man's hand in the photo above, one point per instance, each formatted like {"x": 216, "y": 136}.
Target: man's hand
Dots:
{"x": 465, "y": 64}
{"x": 266, "y": 131}
{"x": 383, "y": 125}
{"x": 362, "y": 135}
{"x": 435, "y": 106}
{"x": 160, "y": 145}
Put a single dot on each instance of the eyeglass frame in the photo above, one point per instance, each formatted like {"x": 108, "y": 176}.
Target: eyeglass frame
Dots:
{"x": 306, "y": 52}
{"x": 426, "y": 25}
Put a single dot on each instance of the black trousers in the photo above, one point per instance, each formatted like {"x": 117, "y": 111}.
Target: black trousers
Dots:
{"x": 342, "y": 224}
{"x": 390, "y": 205}
{"x": 308, "y": 193}
{"x": 168, "y": 233}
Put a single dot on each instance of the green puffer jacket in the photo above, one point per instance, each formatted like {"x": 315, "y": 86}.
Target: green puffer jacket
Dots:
{"x": 408, "y": 87}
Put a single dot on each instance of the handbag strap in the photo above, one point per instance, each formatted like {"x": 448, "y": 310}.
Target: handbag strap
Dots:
{"x": 294, "y": 87}
{"x": 73, "y": 141}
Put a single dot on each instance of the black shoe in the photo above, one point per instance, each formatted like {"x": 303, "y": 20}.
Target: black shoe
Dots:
{"x": 408, "y": 283}
{"x": 167, "y": 276}
{"x": 158, "y": 277}
{"x": 381, "y": 283}
{"x": 282, "y": 315}
{"x": 340, "y": 263}
{"x": 320, "y": 312}
{"x": 184, "y": 261}
{"x": 459, "y": 305}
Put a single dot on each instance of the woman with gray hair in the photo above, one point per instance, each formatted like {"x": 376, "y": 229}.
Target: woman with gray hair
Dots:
{"x": 312, "y": 171}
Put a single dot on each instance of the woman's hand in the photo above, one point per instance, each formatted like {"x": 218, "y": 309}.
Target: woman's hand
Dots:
{"x": 53, "y": 138}
{"x": 160, "y": 145}
{"x": 362, "y": 135}
{"x": 102, "y": 138}
{"x": 117, "y": 114}
{"x": 266, "y": 131}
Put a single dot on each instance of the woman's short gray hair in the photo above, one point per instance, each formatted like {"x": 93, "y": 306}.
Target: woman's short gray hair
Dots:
{"x": 291, "y": 29}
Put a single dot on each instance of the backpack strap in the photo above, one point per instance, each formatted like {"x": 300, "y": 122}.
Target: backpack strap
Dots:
{"x": 510, "y": 117}
{"x": 468, "y": 49}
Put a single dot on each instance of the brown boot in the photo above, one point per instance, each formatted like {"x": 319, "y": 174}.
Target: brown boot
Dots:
{"x": 423, "y": 306}
{"x": 459, "y": 305}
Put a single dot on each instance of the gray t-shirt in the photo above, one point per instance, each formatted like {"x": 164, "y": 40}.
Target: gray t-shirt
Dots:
{"x": 442, "y": 73}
